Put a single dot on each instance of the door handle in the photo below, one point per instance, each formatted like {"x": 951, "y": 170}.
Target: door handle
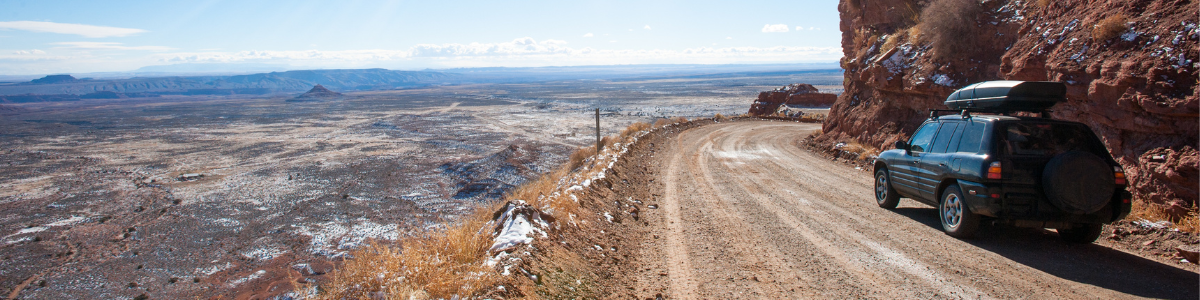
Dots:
{"x": 942, "y": 164}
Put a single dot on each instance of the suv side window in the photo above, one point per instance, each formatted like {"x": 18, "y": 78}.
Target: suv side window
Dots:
{"x": 943, "y": 137}
{"x": 924, "y": 136}
{"x": 971, "y": 138}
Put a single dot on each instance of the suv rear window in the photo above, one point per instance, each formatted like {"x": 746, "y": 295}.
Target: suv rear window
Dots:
{"x": 1047, "y": 139}
{"x": 971, "y": 137}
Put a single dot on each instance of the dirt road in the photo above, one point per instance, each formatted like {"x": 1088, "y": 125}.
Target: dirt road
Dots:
{"x": 746, "y": 212}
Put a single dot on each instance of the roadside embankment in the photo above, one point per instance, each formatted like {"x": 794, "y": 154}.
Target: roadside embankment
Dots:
{"x": 563, "y": 235}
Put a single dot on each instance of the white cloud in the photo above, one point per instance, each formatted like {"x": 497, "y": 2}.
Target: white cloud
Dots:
{"x": 521, "y": 46}
{"x": 813, "y": 28}
{"x": 29, "y": 52}
{"x": 91, "y": 31}
{"x": 522, "y": 52}
{"x": 729, "y": 37}
{"x": 775, "y": 28}
{"x": 108, "y": 46}
{"x": 799, "y": 28}
{"x": 589, "y": 34}
{"x": 518, "y": 52}
{"x": 647, "y": 27}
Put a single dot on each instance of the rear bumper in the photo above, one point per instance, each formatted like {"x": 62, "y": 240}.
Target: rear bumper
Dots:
{"x": 1027, "y": 203}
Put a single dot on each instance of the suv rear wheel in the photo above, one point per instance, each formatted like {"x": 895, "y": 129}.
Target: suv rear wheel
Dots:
{"x": 1085, "y": 233}
{"x": 957, "y": 220}
{"x": 885, "y": 195}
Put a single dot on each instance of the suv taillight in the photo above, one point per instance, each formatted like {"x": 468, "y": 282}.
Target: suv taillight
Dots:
{"x": 994, "y": 170}
{"x": 1118, "y": 175}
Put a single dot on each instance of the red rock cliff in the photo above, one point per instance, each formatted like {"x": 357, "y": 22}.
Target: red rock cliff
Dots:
{"x": 794, "y": 95}
{"x": 1130, "y": 67}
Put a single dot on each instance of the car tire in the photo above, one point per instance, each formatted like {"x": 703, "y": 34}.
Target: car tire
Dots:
{"x": 1085, "y": 233}
{"x": 957, "y": 219}
{"x": 885, "y": 195}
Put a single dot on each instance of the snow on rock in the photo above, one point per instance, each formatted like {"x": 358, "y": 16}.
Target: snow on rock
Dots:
{"x": 515, "y": 223}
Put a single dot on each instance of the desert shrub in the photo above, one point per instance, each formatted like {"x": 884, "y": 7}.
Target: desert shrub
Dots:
{"x": 951, "y": 27}
{"x": 719, "y": 117}
{"x": 1109, "y": 28}
{"x": 678, "y": 120}
{"x": 661, "y": 122}
{"x": 579, "y": 156}
{"x": 635, "y": 128}
{"x": 608, "y": 141}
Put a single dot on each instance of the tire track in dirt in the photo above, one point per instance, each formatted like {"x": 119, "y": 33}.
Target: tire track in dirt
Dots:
{"x": 742, "y": 199}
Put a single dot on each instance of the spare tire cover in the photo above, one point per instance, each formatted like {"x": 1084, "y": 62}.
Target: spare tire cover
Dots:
{"x": 1078, "y": 182}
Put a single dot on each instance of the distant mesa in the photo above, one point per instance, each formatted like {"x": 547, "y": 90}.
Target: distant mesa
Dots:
{"x": 792, "y": 95}
{"x": 318, "y": 92}
{"x": 52, "y": 79}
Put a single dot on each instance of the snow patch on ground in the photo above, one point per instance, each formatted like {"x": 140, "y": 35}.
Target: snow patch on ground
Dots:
{"x": 517, "y": 225}
{"x": 254, "y": 276}
{"x": 332, "y": 238}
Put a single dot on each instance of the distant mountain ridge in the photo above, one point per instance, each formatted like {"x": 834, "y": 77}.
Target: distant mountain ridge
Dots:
{"x": 262, "y": 83}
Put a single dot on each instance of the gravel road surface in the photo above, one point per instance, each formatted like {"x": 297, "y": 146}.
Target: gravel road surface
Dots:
{"x": 746, "y": 212}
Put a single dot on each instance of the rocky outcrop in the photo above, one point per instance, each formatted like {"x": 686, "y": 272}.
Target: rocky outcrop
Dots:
{"x": 319, "y": 92}
{"x": 792, "y": 95}
{"x": 51, "y": 79}
{"x": 1135, "y": 85}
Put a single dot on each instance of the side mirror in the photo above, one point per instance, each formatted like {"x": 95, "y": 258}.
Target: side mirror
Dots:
{"x": 902, "y": 145}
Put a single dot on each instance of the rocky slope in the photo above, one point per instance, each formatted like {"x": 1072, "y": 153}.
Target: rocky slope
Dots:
{"x": 792, "y": 95}
{"x": 1130, "y": 67}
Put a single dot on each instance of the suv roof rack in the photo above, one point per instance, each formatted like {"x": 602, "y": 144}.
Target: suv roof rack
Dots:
{"x": 966, "y": 113}
{"x": 1006, "y": 96}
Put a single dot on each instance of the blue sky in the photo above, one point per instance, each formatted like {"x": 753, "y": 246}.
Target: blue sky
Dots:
{"x": 43, "y": 37}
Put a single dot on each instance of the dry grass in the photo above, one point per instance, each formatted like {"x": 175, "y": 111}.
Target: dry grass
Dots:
{"x": 1043, "y": 3}
{"x": 661, "y": 122}
{"x": 579, "y": 156}
{"x": 864, "y": 152}
{"x": 812, "y": 118}
{"x": 440, "y": 265}
{"x": 636, "y": 127}
{"x": 1109, "y": 28}
{"x": 720, "y": 117}
{"x": 893, "y": 40}
{"x": 950, "y": 26}
{"x": 1154, "y": 213}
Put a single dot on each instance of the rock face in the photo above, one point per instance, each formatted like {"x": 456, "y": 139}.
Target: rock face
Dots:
{"x": 1134, "y": 86}
{"x": 319, "y": 92}
{"x": 793, "y": 95}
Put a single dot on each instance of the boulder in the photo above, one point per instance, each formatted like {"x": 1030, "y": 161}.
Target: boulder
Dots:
{"x": 793, "y": 96}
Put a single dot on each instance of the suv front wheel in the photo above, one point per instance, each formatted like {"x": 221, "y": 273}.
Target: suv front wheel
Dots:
{"x": 957, "y": 220}
{"x": 885, "y": 195}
